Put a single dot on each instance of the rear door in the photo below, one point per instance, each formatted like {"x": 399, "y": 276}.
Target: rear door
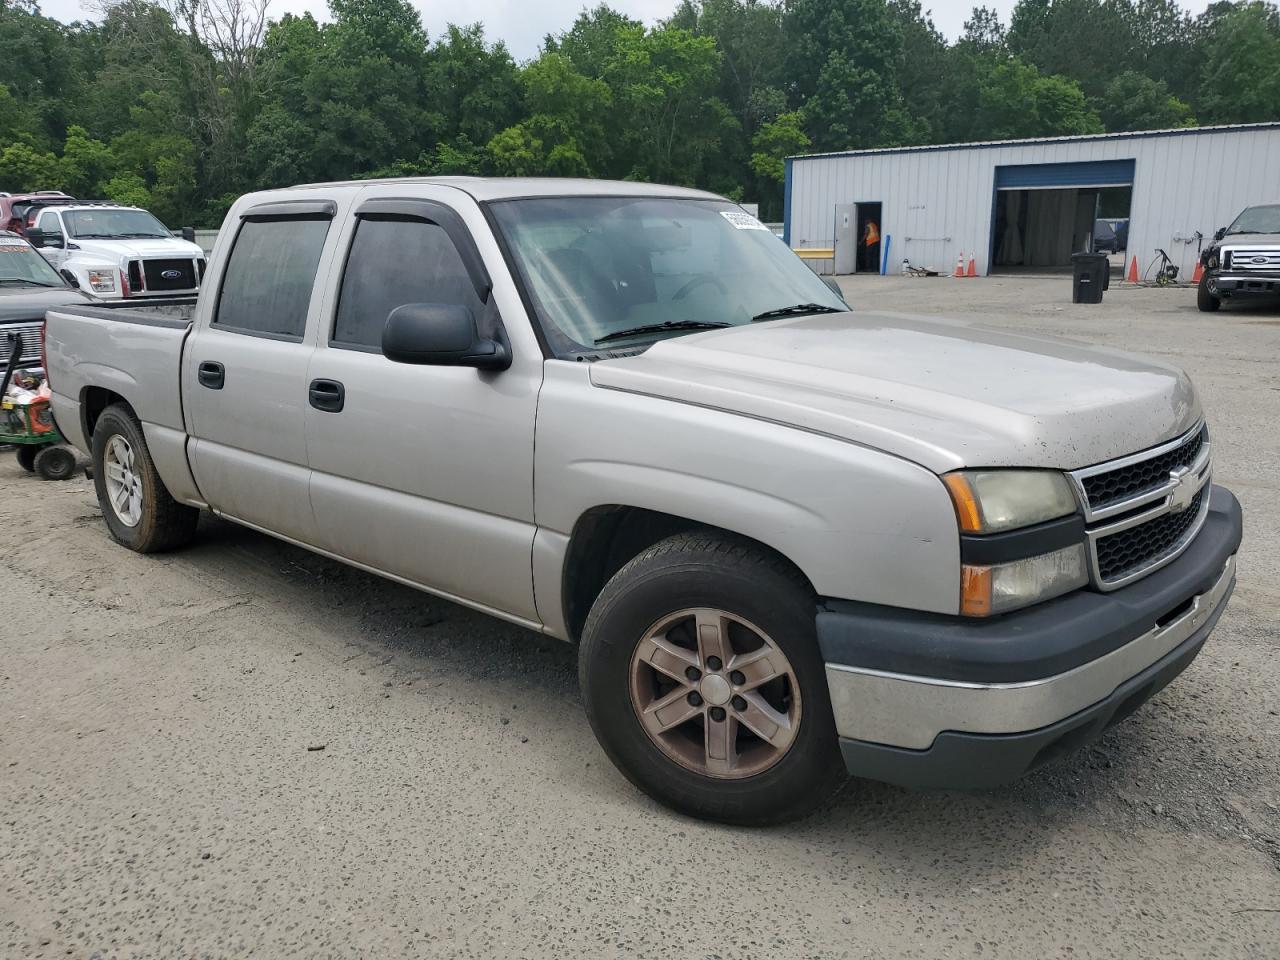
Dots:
{"x": 245, "y": 366}
{"x": 425, "y": 472}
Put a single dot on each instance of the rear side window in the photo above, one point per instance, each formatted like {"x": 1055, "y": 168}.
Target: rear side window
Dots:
{"x": 267, "y": 284}
{"x": 393, "y": 262}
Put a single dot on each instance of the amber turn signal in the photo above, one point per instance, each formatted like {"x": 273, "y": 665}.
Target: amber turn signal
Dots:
{"x": 975, "y": 591}
{"x": 966, "y": 504}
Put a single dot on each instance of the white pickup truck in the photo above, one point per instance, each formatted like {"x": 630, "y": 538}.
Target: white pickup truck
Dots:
{"x": 789, "y": 539}
{"x": 113, "y": 252}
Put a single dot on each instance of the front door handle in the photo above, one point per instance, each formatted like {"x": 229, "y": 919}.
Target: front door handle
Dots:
{"x": 327, "y": 395}
{"x": 211, "y": 374}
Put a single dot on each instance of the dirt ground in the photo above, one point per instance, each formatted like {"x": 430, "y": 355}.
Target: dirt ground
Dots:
{"x": 242, "y": 750}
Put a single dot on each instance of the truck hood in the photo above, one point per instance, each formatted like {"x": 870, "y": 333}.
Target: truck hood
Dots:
{"x": 1250, "y": 240}
{"x": 944, "y": 394}
{"x": 132, "y": 249}
{"x": 30, "y": 303}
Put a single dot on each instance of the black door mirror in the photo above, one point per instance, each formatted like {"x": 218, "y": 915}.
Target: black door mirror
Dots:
{"x": 35, "y": 236}
{"x": 70, "y": 277}
{"x": 1219, "y": 234}
{"x": 441, "y": 334}
{"x": 189, "y": 234}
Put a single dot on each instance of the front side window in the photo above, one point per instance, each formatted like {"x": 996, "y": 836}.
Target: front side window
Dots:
{"x": 108, "y": 224}
{"x": 267, "y": 285}
{"x": 598, "y": 268}
{"x": 394, "y": 262}
{"x": 50, "y": 225}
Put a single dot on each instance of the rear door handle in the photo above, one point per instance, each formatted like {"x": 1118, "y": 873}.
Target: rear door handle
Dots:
{"x": 211, "y": 374}
{"x": 327, "y": 395}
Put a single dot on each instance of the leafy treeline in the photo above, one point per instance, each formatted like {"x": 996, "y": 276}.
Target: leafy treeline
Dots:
{"x": 180, "y": 105}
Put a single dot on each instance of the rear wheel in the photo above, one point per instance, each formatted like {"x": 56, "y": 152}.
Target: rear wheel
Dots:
{"x": 138, "y": 509}
{"x": 55, "y": 462}
{"x": 703, "y": 682}
{"x": 27, "y": 457}
{"x": 1206, "y": 298}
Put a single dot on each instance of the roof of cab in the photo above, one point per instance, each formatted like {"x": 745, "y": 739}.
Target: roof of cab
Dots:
{"x": 510, "y": 188}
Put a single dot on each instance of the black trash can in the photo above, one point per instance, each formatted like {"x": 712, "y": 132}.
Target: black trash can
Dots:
{"x": 1090, "y": 276}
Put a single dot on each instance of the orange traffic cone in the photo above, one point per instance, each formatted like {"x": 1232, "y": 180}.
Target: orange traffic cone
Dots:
{"x": 959, "y": 265}
{"x": 1198, "y": 272}
{"x": 973, "y": 267}
{"x": 1133, "y": 271}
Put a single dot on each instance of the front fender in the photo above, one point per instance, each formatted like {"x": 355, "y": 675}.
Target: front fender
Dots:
{"x": 859, "y": 523}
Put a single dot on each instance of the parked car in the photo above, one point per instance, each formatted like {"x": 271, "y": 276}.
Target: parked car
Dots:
{"x": 789, "y": 540}
{"x": 1105, "y": 238}
{"x": 1243, "y": 260}
{"x": 28, "y": 288}
{"x": 16, "y": 209}
{"x": 115, "y": 252}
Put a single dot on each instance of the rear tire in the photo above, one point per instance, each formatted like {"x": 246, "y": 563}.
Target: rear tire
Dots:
{"x": 1205, "y": 299}
{"x": 55, "y": 462}
{"x": 27, "y": 457}
{"x": 685, "y": 596}
{"x": 144, "y": 516}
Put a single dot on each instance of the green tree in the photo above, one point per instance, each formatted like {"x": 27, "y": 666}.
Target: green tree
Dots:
{"x": 1136, "y": 102}
{"x": 775, "y": 141}
{"x": 1241, "y": 80}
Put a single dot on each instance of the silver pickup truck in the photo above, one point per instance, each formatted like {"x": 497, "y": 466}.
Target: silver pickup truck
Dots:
{"x": 790, "y": 540}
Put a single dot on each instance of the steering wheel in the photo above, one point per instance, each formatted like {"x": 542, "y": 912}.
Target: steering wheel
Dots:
{"x": 697, "y": 282}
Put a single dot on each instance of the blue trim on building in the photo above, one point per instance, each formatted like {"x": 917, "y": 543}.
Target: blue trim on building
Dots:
{"x": 1000, "y": 144}
{"x": 1081, "y": 173}
{"x": 786, "y": 201}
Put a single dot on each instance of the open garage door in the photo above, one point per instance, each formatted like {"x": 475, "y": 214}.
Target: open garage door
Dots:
{"x": 1044, "y": 212}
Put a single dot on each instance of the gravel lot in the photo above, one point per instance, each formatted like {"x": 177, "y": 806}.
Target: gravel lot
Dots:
{"x": 164, "y": 794}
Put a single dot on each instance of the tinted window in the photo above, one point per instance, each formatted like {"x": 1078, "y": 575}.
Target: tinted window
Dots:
{"x": 394, "y": 262}
{"x": 268, "y": 281}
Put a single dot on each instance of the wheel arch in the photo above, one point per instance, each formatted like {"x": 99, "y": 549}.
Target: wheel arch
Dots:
{"x": 607, "y": 536}
{"x": 93, "y": 401}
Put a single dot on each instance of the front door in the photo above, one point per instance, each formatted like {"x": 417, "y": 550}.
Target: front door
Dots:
{"x": 55, "y": 241}
{"x": 422, "y": 472}
{"x": 244, "y": 373}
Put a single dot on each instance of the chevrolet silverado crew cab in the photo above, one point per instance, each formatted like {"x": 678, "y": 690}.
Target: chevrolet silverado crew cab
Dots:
{"x": 1243, "y": 261}
{"x": 112, "y": 252}
{"x": 790, "y": 540}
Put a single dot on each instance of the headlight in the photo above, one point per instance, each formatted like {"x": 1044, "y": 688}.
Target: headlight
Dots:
{"x": 999, "y": 501}
{"x": 1213, "y": 261}
{"x": 988, "y": 501}
{"x": 985, "y": 590}
{"x": 102, "y": 281}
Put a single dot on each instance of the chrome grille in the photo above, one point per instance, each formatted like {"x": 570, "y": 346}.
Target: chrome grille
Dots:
{"x": 1251, "y": 260}
{"x": 28, "y": 333}
{"x": 1141, "y": 511}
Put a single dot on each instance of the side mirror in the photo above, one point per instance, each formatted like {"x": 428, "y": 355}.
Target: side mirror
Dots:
{"x": 440, "y": 334}
{"x": 189, "y": 234}
{"x": 70, "y": 277}
{"x": 835, "y": 288}
{"x": 35, "y": 236}
{"x": 1219, "y": 234}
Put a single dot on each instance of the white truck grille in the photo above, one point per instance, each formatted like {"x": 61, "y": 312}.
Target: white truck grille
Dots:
{"x": 1251, "y": 260}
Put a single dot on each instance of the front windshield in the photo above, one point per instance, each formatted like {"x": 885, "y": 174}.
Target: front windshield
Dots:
{"x": 107, "y": 224}
{"x": 19, "y": 263}
{"x": 1257, "y": 220}
{"x": 597, "y": 267}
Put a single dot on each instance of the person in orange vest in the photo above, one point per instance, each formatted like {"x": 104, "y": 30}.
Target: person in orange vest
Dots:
{"x": 871, "y": 235}
{"x": 869, "y": 255}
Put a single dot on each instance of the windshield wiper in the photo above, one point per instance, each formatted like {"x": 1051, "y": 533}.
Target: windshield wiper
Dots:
{"x": 660, "y": 328}
{"x": 796, "y": 310}
{"x": 32, "y": 283}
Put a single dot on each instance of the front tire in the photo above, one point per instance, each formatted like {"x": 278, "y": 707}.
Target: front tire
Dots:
{"x": 702, "y": 680}
{"x": 139, "y": 511}
{"x": 27, "y": 457}
{"x": 1205, "y": 299}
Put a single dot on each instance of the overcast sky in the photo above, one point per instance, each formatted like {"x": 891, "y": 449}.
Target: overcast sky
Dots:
{"x": 523, "y": 23}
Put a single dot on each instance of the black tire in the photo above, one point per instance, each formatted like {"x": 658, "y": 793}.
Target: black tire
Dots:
{"x": 55, "y": 462}
{"x": 709, "y": 569}
{"x": 27, "y": 457}
{"x": 164, "y": 523}
{"x": 1205, "y": 300}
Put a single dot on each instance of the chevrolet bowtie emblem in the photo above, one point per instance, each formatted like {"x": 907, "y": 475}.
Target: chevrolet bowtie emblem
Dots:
{"x": 1184, "y": 490}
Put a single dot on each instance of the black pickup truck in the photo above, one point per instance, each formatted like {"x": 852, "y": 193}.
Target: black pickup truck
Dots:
{"x": 28, "y": 287}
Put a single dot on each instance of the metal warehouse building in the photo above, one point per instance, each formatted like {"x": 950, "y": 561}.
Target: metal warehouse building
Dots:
{"x": 1027, "y": 205}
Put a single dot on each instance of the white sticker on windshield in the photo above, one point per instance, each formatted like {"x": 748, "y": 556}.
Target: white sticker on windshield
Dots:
{"x": 742, "y": 220}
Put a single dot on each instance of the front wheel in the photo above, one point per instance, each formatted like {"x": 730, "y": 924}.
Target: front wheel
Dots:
{"x": 1205, "y": 298}
{"x": 138, "y": 508}
{"x": 54, "y": 462}
{"x": 702, "y": 679}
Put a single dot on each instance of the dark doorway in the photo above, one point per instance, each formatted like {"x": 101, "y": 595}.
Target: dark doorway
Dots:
{"x": 869, "y": 237}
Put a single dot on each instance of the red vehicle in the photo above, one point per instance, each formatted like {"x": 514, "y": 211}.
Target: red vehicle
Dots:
{"x": 16, "y": 209}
